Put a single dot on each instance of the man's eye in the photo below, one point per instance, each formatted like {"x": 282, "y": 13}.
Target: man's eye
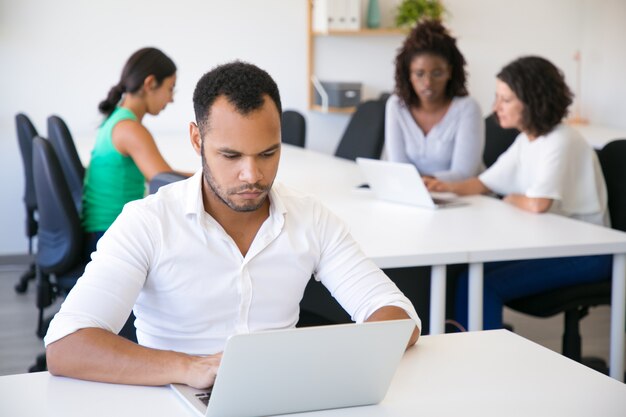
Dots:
{"x": 268, "y": 154}
{"x": 230, "y": 155}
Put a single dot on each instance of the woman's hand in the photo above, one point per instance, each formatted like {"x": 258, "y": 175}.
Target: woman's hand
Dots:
{"x": 433, "y": 184}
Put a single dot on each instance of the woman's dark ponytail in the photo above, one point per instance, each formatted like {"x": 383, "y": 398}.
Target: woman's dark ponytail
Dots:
{"x": 107, "y": 105}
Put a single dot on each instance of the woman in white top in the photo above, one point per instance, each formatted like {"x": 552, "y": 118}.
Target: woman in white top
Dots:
{"x": 430, "y": 121}
{"x": 549, "y": 168}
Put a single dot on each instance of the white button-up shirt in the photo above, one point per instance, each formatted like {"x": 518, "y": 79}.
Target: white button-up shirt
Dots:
{"x": 191, "y": 288}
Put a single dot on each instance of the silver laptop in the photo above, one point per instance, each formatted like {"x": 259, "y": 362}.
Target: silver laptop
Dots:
{"x": 401, "y": 183}
{"x": 304, "y": 369}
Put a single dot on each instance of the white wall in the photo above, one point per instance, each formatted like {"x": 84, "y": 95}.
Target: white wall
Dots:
{"x": 62, "y": 56}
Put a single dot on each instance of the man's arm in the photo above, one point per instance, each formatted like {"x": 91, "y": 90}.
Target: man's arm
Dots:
{"x": 99, "y": 355}
{"x": 394, "y": 313}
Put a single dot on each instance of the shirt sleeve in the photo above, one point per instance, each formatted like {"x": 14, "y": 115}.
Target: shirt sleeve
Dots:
{"x": 351, "y": 278}
{"x": 551, "y": 170}
{"x": 469, "y": 143}
{"x": 500, "y": 177}
{"x": 394, "y": 135}
{"x": 104, "y": 296}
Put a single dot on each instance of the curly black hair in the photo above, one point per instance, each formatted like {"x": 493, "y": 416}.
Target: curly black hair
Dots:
{"x": 541, "y": 87}
{"x": 429, "y": 37}
{"x": 243, "y": 84}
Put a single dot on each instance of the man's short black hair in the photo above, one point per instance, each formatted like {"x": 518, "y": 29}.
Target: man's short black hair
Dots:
{"x": 243, "y": 84}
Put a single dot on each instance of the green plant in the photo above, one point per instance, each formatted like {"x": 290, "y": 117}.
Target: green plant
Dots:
{"x": 410, "y": 11}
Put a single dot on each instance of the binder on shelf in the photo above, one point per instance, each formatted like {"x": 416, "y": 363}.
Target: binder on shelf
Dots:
{"x": 321, "y": 15}
{"x": 336, "y": 15}
{"x": 353, "y": 12}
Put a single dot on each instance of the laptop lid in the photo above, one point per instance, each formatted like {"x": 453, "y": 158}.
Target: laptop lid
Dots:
{"x": 401, "y": 183}
{"x": 304, "y": 369}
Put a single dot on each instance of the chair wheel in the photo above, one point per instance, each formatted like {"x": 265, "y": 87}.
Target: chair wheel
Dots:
{"x": 22, "y": 284}
{"x": 21, "y": 287}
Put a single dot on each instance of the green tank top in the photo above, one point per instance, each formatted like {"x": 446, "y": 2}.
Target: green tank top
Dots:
{"x": 111, "y": 180}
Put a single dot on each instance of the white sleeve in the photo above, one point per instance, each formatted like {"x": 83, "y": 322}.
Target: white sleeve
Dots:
{"x": 469, "y": 143}
{"x": 104, "y": 296}
{"x": 351, "y": 278}
{"x": 551, "y": 170}
{"x": 500, "y": 177}
{"x": 394, "y": 135}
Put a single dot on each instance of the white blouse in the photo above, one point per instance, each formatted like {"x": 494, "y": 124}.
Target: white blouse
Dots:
{"x": 451, "y": 151}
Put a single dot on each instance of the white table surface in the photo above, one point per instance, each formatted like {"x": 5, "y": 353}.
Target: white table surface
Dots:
{"x": 396, "y": 235}
{"x": 598, "y": 135}
{"x": 487, "y": 373}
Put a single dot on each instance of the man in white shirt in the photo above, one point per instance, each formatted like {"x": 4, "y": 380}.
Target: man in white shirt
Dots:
{"x": 221, "y": 253}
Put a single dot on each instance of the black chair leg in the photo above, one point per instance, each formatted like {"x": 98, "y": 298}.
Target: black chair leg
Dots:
{"x": 40, "y": 364}
{"x": 22, "y": 285}
{"x": 571, "y": 335}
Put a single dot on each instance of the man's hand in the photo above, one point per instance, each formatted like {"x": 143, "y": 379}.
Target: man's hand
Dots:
{"x": 203, "y": 371}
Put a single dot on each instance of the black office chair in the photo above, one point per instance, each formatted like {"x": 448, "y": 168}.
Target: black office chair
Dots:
{"x": 365, "y": 134}
{"x": 61, "y": 255}
{"x": 293, "y": 128}
{"x": 60, "y": 243}
{"x": 164, "y": 178}
{"x": 384, "y": 96}
{"x": 63, "y": 144}
{"x": 497, "y": 139}
{"x": 575, "y": 301}
{"x": 25, "y": 134}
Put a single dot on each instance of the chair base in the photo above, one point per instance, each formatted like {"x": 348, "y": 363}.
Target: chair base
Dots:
{"x": 596, "y": 364}
{"x": 29, "y": 275}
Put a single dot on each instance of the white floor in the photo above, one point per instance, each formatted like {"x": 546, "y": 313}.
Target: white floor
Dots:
{"x": 19, "y": 345}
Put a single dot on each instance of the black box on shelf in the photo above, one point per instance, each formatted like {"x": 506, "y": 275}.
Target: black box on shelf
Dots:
{"x": 340, "y": 94}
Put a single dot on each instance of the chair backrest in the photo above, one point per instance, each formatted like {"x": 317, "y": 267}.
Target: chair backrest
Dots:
{"x": 613, "y": 161}
{"x": 63, "y": 144}
{"x": 60, "y": 238}
{"x": 365, "y": 134}
{"x": 293, "y": 128}
{"x": 164, "y": 178}
{"x": 497, "y": 139}
{"x": 25, "y": 134}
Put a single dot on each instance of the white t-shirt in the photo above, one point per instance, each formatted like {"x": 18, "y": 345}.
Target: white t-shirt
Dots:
{"x": 191, "y": 288}
{"x": 451, "y": 151}
{"x": 560, "y": 166}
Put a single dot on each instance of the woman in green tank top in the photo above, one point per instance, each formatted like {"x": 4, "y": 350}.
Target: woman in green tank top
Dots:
{"x": 125, "y": 154}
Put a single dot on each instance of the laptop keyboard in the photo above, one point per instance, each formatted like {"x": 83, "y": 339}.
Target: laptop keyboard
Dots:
{"x": 204, "y": 397}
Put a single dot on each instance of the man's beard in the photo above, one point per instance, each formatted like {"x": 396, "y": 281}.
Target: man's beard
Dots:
{"x": 224, "y": 195}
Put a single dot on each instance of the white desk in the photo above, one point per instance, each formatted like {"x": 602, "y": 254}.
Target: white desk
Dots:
{"x": 482, "y": 374}
{"x": 397, "y": 236}
{"x": 598, "y": 136}
{"x": 486, "y": 230}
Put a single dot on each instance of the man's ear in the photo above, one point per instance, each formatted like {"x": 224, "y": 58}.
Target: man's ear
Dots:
{"x": 195, "y": 137}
